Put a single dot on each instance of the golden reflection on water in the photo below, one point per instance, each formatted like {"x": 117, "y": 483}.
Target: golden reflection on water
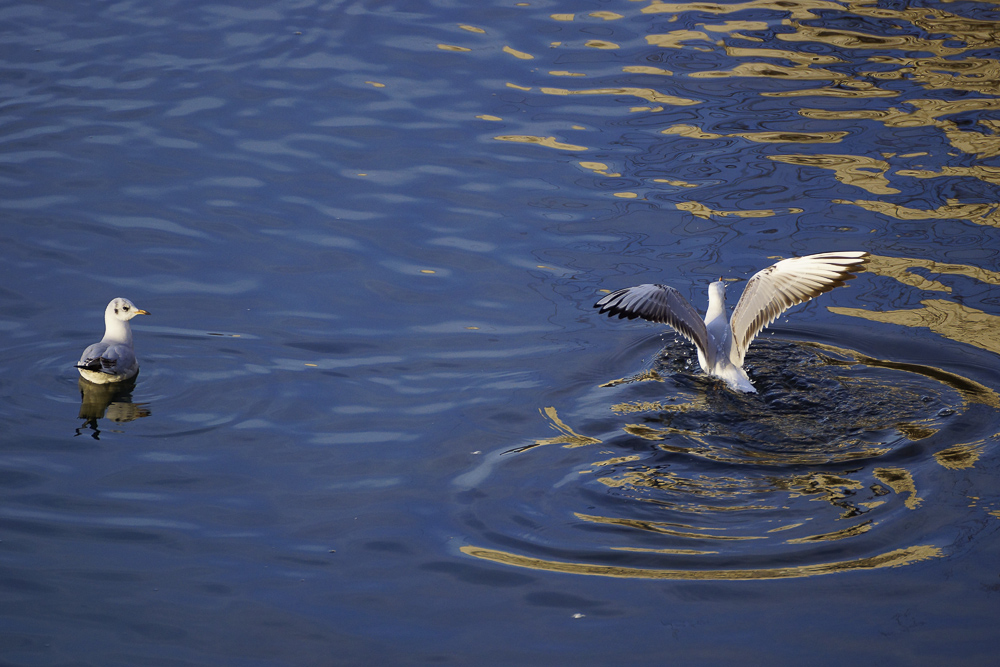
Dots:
{"x": 671, "y": 529}
{"x": 797, "y": 9}
{"x": 928, "y": 113}
{"x": 678, "y": 39}
{"x": 947, "y": 318}
{"x": 980, "y": 214}
{"x": 783, "y": 54}
{"x": 939, "y": 61}
{"x": 520, "y": 55}
{"x": 732, "y": 28}
{"x": 849, "y": 39}
{"x": 971, "y": 74}
{"x": 645, "y": 69}
{"x": 895, "y": 558}
{"x": 900, "y": 481}
{"x": 901, "y": 269}
{"x": 567, "y": 437}
{"x": 647, "y": 94}
{"x": 799, "y": 72}
{"x": 860, "y": 89}
{"x": 863, "y": 172}
{"x": 700, "y": 210}
{"x": 851, "y": 531}
{"x": 982, "y": 172}
{"x": 599, "y": 168}
{"x": 549, "y": 142}
{"x": 694, "y": 132}
{"x": 974, "y": 33}
{"x": 962, "y": 456}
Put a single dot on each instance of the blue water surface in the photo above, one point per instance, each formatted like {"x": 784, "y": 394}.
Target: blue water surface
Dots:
{"x": 378, "y": 420}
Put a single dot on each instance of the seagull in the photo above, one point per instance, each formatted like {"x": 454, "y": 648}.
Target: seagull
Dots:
{"x": 722, "y": 345}
{"x": 113, "y": 359}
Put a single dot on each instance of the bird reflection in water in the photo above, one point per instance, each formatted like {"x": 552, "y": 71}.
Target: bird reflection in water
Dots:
{"x": 108, "y": 401}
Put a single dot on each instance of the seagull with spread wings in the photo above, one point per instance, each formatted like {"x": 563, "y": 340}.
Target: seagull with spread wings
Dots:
{"x": 722, "y": 344}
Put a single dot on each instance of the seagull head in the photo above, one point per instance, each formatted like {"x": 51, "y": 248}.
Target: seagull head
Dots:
{"x": 122, "y": 309}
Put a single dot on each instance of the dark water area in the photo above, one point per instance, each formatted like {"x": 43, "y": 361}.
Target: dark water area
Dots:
{"x": 378, "y": 420}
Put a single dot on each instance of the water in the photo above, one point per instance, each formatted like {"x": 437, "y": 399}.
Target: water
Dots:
{"x": 378, "y": 419}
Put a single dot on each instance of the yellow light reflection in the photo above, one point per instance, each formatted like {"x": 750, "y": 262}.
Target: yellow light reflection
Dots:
{"x": 851, "y": 531}
{"x": 895, "y": 558}
{"x": 900, "y": 481}
{"x": 663, "y": 528}
{"x": 848, "y": 39}
{"x": 548, "y": 142}
{"x": 982, "y": 172}
{"x": 863, "y": 172}
{"x": 647, "y": 94}
{"x": 797, "y": 9}
{"x": 677, "y": 38}
{"x": 841, "y": 89}
{"x": 521, "y": 55}
{"x": 799, "y": 57}
{"x": 971, "y": 74}
{"x": 700, "y": 210}
{"x": 760, "y": 137}
{"x": 643, "y": 69}
{"x": 567, "y": 437}
{"x": 900, "y": 268}
{"x": 673, "y": 552}
{"x": 645, "y": 376}
{"x": 799, "y": 73}
{"x": 947, "y": 318}
{"x": 599, "y": 168}
{"x": 980, "y": 214}
{"x": 961, "y": 456}
{"x": 733, "y": 26}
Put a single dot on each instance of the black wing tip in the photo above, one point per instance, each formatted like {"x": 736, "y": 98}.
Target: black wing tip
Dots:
{"x": 99, "y": 365}
{"x": 621, "y": 313}
{"x": 609, "y": 304}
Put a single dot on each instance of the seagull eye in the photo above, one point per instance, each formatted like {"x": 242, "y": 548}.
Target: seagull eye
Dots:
{"x": 125, "y": 308}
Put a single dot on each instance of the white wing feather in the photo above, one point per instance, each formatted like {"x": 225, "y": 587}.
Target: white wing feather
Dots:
{"x": 773, "y": 290}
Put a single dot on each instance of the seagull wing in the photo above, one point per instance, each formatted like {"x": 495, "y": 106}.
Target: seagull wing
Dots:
{"x": 91, "y": 358}
{"x": 104, "y": 358}
{"x": 659, "y": 303}
{"x": 777, "y": 288}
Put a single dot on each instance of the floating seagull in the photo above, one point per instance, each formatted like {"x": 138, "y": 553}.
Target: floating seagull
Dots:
{"x": 113, "y": 359}
{"x": 721, "y": 344}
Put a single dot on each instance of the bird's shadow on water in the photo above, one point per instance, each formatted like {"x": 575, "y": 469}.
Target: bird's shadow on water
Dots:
{"x": 107, "y": 401}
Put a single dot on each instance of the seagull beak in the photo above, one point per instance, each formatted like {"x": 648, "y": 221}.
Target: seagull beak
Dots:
{"x": 142, "y": 312}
